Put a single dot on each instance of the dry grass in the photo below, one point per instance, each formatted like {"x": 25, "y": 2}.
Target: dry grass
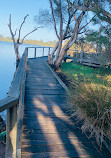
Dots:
{"x": 91, "y": 97}
{"x": 93, "y": 106}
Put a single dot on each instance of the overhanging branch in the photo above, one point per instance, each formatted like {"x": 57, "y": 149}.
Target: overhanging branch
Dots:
{"x": 21, "y": 26}
{"x": 29, "y": 34}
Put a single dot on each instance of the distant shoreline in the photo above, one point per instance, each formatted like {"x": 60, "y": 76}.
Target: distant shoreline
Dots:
{"x": 31, "y": 42}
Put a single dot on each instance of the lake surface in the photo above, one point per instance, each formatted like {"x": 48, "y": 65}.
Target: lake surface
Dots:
{"x": 8, "y": 64}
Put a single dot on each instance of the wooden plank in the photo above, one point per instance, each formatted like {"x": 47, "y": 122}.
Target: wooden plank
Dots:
{"x": 63, "y": 137}
{"x": 60, "y": 148}
{"x": 49, "y": 105}
{"x": 61, "y": 154}
{"x": 47, "y": 121}
{"x": 58, "y": 124}
{"x": 39, "y": 96}
{"x": 44, "y": 92}
{"x": 53, "y": 142}
{"x": 90, "y": 64}
{"x": 43, "y": 87}
{"x": 52, "y": 101}
{"x": 50, "y": 130}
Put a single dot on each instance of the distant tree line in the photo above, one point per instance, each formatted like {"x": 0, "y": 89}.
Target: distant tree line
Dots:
{"x": 32, "y": 42}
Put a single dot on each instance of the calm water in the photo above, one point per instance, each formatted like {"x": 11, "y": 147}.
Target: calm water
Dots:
{"x": 7, "y": 64}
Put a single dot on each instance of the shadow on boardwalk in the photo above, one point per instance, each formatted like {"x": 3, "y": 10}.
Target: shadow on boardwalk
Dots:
{"x": 48, "y": 131}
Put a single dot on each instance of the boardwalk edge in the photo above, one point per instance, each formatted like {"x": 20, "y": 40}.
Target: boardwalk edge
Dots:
{"x": 58, "y": 78}
{"x": 68, "y": 92}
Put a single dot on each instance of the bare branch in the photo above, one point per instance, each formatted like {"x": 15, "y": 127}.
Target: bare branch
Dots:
{"x": 10, "y": 28}
{"x": 22, "y": 25}
{"x": 67, "y": 27}
{"x": 15, "y": 32}
{"x": 87, "y": 23}
{"x": 82, "y": 32}
{"x": 70, "y": 7}
{"x": 55, "y": 27}
{"x": 29, "y": 34}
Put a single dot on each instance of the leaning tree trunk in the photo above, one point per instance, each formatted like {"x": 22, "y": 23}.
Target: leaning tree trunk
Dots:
{"x": 50, "y": 56}
{"x": 58, "y": 51}
{"x": 71, "y": 41}
{"x": 67, "y": 46}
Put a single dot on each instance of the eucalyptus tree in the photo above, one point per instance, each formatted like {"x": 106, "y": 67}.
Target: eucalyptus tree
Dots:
{"x": 60, "y": 18}
{"x": 68, "y": 18}
{"x": 17, "y": 42}
{"x": 97, "y": 7}
{"x": 78, "y": 26}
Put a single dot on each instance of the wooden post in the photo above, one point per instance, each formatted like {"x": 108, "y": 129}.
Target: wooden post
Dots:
{"x": 43, "y": 51}
{"x": 27, "y": 50}
{"x": 11, "y": 132}
{"x": 49, "y": 51}
{"x": 81, "y": 56}
{"x": 35, "y": 53}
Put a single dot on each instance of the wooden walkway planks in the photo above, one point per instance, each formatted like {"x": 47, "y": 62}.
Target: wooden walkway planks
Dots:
{"x": 48, "y": 132}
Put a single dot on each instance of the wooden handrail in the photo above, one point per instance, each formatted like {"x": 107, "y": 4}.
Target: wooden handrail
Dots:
{"x": 15, "y": 88}
{"x": 13, "y": 103}
{"x": 7, "y": 103}
{"x": 14, "y": 91}
{"x": 40, "y": 47}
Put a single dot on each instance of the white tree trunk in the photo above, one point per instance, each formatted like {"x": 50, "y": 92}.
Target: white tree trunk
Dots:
{"x": 67, "y": 46}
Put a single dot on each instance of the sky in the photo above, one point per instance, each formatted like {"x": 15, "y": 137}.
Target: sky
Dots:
{"x": 18, "y": 10}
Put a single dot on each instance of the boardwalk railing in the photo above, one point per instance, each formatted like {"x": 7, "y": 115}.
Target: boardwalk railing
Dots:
{"x": 85, "y": 58}
{"x": 43, "y": 49}
{"x": 14, "y": 104}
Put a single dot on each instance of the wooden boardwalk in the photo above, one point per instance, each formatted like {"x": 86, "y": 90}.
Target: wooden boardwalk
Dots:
{"x": 48, "y": 132}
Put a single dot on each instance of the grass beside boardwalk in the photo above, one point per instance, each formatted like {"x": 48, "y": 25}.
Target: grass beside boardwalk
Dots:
{"x": 91, "y": 97}
{"x": 78, "y": 73}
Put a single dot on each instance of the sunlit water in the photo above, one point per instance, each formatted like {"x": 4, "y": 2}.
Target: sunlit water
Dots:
{"x": 7, "y": 64}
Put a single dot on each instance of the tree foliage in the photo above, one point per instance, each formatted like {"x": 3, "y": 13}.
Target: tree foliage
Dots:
{"x": 69, "y": 21}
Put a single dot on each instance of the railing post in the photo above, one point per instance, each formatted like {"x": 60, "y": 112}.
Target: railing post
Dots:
{"x": 49, "y": 51}
{"x": 43, "y": 51}
{"x": 11, "y": 132}
{"x": 35, "y": 53}
{"x": 27, "y": 50}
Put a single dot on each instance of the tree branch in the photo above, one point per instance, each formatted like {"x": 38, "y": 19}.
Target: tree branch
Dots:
{"x": 29, "y": 34}
{"x": 70, "y": 7}
{"x": 21, "y": 26}
{"x": 10, "y": 28}
{"x": 54, "y": 18}
{"x": 15, "y": 32}
{"x": 100, "y": 9}
{"x": 87, "y": 23}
